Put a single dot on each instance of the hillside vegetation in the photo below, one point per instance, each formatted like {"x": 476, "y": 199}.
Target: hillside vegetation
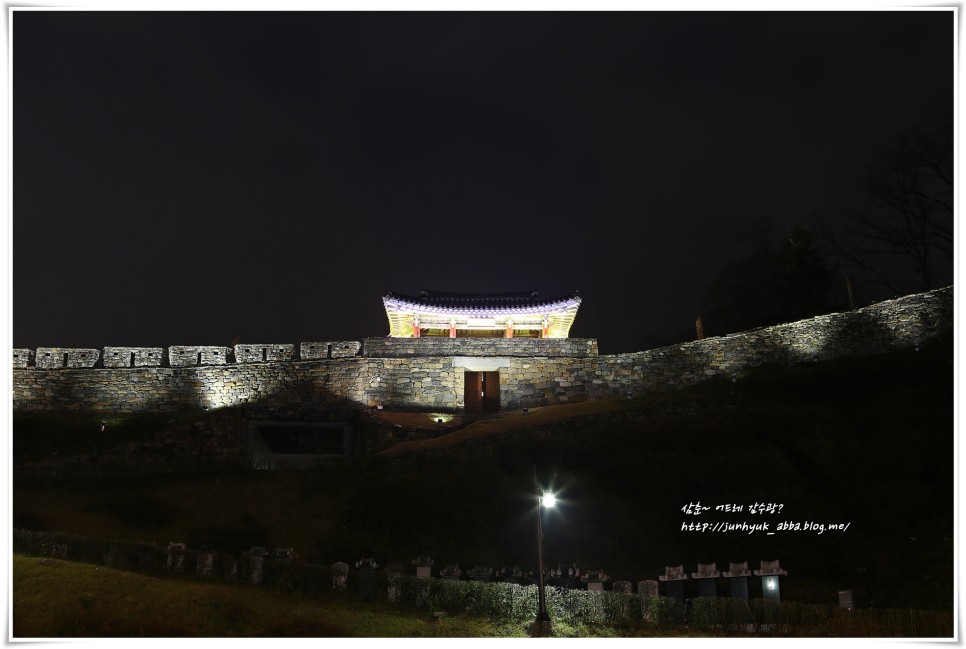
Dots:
{"x": 864, "y": 442}
{"x": 62, "y": 599}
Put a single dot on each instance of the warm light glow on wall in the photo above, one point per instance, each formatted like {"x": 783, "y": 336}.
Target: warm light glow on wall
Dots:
{"x": 480, "y": 313}
{"x": 402, "y": 320}
{"x": 216, "y": 396}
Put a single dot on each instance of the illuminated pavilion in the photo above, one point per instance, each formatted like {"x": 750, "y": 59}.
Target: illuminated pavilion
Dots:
{"x": 484, "y": 315}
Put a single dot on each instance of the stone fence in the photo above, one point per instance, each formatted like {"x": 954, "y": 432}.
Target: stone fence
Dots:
{"x": 504, "y": 603}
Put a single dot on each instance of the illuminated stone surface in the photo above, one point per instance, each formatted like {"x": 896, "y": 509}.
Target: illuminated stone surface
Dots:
{"x": 395, "y": 373}
{"x": 133, "y": 356}
{"x": 57, "y": 357}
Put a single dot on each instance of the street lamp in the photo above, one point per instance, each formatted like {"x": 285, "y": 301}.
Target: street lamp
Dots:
{"x": 545, "y": 499}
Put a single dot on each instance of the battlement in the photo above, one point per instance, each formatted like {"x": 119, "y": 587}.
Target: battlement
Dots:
{"x": 55, "y": 358}
{"x": 438, "y": 373}
{"x": 514, "y": 347}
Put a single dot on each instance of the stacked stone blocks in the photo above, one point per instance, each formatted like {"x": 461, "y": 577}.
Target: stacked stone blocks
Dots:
{"x": 186, "y": 356}
{"x": 339, "y": 349}
{"x": 526, "y": 347}
{"x": 133, "y": 356}
{"x": 393, "y": 372}
{"x": 263, "y": 353}
{"x": 57, "y": 357}
{"x": 23, "y": 357}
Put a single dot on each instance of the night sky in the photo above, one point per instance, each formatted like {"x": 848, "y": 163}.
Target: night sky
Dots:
{"x": 185, "y": 178}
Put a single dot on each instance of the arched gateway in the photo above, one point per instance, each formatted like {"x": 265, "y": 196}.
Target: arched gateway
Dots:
{"x": 480, "y": 315}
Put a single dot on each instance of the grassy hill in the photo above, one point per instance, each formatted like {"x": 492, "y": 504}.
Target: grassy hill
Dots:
{"x": 62, "y": 599}
{"x": 867, "y": 442}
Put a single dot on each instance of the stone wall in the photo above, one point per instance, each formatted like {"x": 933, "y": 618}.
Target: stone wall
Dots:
{"x": 558, "y": 347}
{"x": 428, "y": 373}
{"x": 133, "y": 356}
{"x": 341, "y": 349}
{"x": 57, "y": 357}
{"x": 186, "y": 356}
{"x": 23, "y": 357}
{"x": 316, "y": 384}
{"x": 263, "y": 353}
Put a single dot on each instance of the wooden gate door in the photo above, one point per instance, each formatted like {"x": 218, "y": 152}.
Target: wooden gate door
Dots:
{"x": 491, "y": 391}
{"x": 472, "y": 391}
{"x": 481, "y": 391}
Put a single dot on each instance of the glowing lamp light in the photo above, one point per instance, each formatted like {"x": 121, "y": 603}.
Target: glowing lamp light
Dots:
{"x": 548, "y": 499}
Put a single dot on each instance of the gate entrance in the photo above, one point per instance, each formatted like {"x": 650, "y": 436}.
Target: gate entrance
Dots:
{"x": 481, "y": 391}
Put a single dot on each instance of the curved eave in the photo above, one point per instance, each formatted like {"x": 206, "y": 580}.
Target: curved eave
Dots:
{"x": 560, "y": 307}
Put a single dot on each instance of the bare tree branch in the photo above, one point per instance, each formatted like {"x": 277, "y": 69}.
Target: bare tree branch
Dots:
{"x": 909, "y": 214}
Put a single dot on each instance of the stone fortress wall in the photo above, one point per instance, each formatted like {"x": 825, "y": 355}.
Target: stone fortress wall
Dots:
{"x": 428, "y": 373}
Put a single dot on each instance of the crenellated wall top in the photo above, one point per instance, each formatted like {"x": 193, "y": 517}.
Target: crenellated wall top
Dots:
{"x": 54, "y": 358}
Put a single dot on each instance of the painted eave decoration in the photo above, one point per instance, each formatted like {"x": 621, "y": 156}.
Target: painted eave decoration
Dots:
{"x": 459, "y": 314}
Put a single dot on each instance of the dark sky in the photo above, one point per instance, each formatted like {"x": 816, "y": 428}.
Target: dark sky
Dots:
{"x": 182, "y": 178}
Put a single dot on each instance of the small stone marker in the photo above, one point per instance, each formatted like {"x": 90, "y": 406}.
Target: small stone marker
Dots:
{"x": 367, "y": 567}
{"x": 480, "y": 573}
{"x": 737, "y": 576}
{"x": 648, "y": 587}
{"x": 206, "y": 563}
{"x": 340, "y": 575}
{"x": 769, "y": 573}
{"x": 176, "y": 553}
{"x": 394, "y": 571}
{"x": 451, "y": 572}
{"x": 424, "y": 567}
{"x": 706, "y": 575}
{"x": 594, "y": 579}
{"x": 845, "y": 599}
{"x": 256, "y": 563}
{"x": 674, "y": 577}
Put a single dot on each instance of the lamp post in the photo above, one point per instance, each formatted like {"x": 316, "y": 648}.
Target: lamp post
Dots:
{"x": 545, "y": 499}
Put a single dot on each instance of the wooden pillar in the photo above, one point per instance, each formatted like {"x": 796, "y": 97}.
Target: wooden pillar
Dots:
{"x": 416, "y": 328}
{"x": 509, "y": 329}
{"x": 546, "y": 328}
{"x": 452, "y": 328}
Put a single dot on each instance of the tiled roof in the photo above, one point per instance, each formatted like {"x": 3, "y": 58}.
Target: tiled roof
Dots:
{"x": 529, "y": 301}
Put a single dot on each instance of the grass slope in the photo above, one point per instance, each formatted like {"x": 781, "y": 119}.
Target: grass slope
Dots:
{"x": 67, "y": 600}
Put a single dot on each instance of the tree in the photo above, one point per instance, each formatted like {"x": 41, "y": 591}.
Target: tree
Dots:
{"x": 903, "y": 238}
{"x": 779, "y": 282}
